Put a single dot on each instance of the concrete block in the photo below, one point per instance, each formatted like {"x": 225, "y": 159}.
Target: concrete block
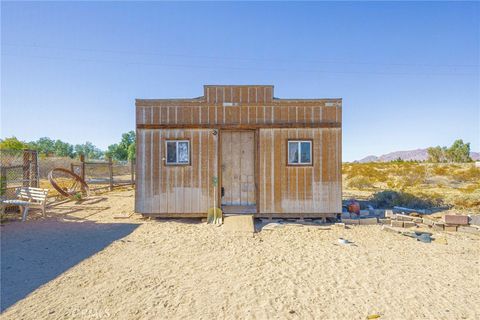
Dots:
{"x": 417, "y": 220}
{"x": 404, "y": 217}
{"x": 455, "y": 219}
{"x": 398, "y": 224}
{"x": 385, "y": 221}
{"x": 350, "y": 221}
{"x": 475, "y": 220}
{"x": 466, "y": 229}
{"x": 368, "y": 221}
{"x": 438, "y": 226}
{"x": 450, "y": 228}
{"x": 388, "y": 213}
{"x": 409, "y": 224}
{"x": 428, "y": 222}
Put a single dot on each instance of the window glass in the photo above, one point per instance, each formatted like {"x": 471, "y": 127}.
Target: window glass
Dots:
{"x": 299, "y": 152}
{"x": 292, "y": 152}
{"x": 171, "y": 152}
{"x": 183, "y": 152}
{"x": 305, "y": 152}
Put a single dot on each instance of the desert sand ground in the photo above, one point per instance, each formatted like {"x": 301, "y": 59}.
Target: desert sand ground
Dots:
{"x": 83, "y": 263}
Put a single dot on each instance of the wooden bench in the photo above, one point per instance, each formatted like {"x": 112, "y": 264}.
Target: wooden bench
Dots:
{"x": 28, "y": 197}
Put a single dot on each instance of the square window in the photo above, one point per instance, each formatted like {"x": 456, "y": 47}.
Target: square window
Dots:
{"x": 299, "y": 152}
{"x": 178, "y": 152}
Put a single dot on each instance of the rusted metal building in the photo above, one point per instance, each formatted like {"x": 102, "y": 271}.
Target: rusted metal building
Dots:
{"x": 269, "y": 156}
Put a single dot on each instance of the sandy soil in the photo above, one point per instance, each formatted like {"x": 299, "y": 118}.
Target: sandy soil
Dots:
{"x": 99, "y": 267}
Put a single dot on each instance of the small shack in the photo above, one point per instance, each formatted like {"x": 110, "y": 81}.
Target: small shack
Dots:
{"x": 241, "y": 149}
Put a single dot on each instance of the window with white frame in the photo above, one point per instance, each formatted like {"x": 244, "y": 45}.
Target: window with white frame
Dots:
{"x": 299, "y": 152}
{"x": 178, "y": 152}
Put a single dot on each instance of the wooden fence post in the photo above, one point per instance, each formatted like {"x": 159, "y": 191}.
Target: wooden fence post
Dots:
{"x": 82, "y": 161}
{"x": 110, "y": 172}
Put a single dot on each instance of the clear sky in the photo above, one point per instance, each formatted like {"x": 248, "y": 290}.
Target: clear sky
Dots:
{"x": 408, "y": 72}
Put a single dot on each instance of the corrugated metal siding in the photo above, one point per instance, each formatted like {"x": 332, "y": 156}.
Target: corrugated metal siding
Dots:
{"x": 305, "y": 189}
{"x": 175, "y": 189}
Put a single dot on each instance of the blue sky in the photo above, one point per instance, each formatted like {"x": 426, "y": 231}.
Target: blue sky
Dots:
{"x": 408, "y": 72}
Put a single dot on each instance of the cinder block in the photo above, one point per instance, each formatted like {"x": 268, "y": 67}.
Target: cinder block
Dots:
{"x": 398, "y": 224}
{"x": 438, "y": 226}
{"x": 385, "y": 221}
{"x": 350, "y": 221}
{"x": 368, "y": 221}
{"x": 409, "y": 224}
{"x": 428, "y": 222}
{"x": 388, "y": 213}
{"x": 466, "y": 229}
{"x": 404, "y": 217}
{"x": 475, "y": 220}
{"x": 417, "y": 220}
{"x": 455, "y": 219}
{"x": 450, "y": 228}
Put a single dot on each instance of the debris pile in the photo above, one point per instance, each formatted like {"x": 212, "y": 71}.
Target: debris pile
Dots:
{"x": 450, "y": 222}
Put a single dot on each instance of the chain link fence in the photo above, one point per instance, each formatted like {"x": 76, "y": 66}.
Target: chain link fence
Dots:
{"x": 18, "y": 168}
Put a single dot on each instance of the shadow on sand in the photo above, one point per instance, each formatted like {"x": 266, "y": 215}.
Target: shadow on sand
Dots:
{"x": 34, "y": 253}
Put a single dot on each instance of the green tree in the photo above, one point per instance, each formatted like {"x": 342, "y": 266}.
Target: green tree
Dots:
{"x": 13, "y": 143}
{"x": 132, "y": 151}
{"x": 63, "y": 149}
{"x": 459, "y": 152}
{"x": 123, "y": 151}
{"x": 89, "y": 150}
{"x": 44, "y": 145}
{"x": 437, "y": 154}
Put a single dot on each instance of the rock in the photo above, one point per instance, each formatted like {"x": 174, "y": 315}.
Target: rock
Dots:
{"x": 340, "y": 225}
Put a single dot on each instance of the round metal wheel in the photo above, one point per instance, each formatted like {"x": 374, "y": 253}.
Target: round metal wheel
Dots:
{"x": 68, "y": 184}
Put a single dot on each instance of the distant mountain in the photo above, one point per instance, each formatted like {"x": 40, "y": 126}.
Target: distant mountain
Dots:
{"x": 417, "y": 155}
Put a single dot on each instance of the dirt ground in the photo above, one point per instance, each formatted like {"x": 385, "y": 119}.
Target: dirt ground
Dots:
{"x": 98, "y": 260}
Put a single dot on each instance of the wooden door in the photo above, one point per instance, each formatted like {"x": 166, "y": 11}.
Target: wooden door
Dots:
{"x": 238, "y": 168}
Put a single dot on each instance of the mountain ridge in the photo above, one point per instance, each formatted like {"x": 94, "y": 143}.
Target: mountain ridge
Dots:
{"x": 412, "y": 155}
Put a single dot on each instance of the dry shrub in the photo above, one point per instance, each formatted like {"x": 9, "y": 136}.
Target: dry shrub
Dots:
{"x": 467, "y": 201}
{"x": 367, "y": 170}
{"x": 392, "y": 198}
{"x": 471, "y": 174}
{"x": 360, "y": 182}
